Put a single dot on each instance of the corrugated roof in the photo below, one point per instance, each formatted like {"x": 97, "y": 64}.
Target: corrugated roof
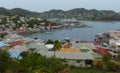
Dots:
{"x": 19, "y": 49}
{"x": 16, "y": 43}
{"x": 69, "y": 55}
{"x": 15, "y": 55}
{"x": 96, "y": 55}
{"x": 101, "y": 51}
{"x": 79, "y": 45}
{"x": 37, "y": 45}
{"x": 68, "y": 50}
{"x": 2, "y": 44}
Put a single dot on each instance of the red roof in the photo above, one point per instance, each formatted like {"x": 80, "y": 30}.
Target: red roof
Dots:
{"x": 94, "y": 42}
{"x": 101, "y": 51}
{"x": 16, "y": 43}
{"x": 86, "y": 41}
{"x": 97, "y": 43}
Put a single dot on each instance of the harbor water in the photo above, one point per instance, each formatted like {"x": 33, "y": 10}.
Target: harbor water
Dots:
{"x": 87, "y": 34}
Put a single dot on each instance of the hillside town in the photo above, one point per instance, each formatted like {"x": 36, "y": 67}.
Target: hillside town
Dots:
{"x": 76, "y": 53}
{"x": 21, "y": 24}
{"x": 100, "y": 53}
{"x": 59, "y": 36}
{"x": 25, "y": 25}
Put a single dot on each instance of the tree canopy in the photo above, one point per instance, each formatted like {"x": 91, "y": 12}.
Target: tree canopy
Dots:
{"x": 30, "y": 63}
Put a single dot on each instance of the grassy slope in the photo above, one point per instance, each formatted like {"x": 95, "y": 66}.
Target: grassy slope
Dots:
{"x": 88, "y": 70}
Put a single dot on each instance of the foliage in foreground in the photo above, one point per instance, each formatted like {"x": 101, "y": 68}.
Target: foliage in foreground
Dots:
{"x": 88, "y": 70}
{"x": 32, "y": 63}
{"x": 36, "y": 63}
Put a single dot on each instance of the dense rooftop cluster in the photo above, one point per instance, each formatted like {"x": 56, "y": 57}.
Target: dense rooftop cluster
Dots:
{"x": 74, "y": 53}
{"x": 20, "y": 24}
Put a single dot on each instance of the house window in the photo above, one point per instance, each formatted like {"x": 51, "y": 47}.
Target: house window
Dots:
{"x": 78, "y": 61}
{"x": 88, "y": 61}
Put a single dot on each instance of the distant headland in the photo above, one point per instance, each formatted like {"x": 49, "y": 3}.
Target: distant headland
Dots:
{"x": 77, "y": 13}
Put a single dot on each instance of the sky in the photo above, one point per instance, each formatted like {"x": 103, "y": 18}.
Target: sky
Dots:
{"x": 46, "y": 5}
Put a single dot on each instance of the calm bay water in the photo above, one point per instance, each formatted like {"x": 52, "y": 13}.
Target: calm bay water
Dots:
{"x": 79, "y": 33}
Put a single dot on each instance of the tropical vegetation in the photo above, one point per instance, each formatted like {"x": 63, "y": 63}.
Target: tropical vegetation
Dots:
{"x": 77, "y": 13}
{"x": 36, "y": 63}
{"x": 31, "y": 63}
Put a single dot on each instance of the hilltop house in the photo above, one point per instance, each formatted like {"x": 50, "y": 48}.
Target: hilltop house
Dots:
{"x": 77, "y": 59}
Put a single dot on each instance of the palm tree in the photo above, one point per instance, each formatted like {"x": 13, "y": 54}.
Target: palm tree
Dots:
{"x": 49, "y": 42}
{"x": 57, "y": 46}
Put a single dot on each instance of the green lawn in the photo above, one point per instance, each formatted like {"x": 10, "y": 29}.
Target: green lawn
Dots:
{"x": 88, "y": 70}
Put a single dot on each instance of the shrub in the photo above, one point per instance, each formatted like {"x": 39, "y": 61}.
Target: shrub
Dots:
{"x": 107, "y": 57}
{"x": 111, "y": 66}
{"x": 99, "y": 64}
